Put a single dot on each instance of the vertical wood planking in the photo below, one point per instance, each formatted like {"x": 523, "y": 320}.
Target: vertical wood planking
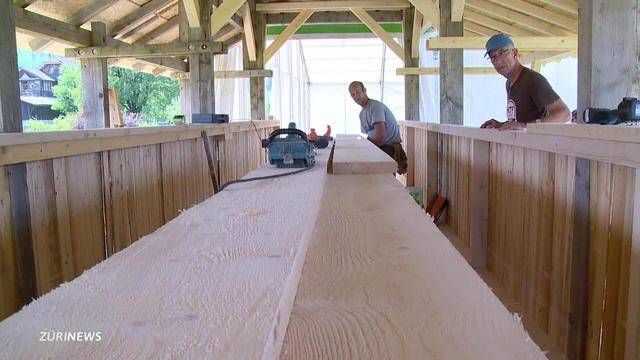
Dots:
{"x": 63, "y": 219}
{"x": 46, "y": 247}
{"x": 10, "y": 298}
{"x": 580, "y": 262}
{"x": 85, "y": 208}
{"x": 479, "y": 217}
{"x": 431, "y": 167}
{"x": 632, "y": 336}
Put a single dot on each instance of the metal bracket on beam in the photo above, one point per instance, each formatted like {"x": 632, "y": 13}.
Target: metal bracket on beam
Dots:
{"x": 148, "y": 50}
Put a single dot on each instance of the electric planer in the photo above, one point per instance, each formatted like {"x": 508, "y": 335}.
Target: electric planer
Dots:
{"x": 293, "y": 150}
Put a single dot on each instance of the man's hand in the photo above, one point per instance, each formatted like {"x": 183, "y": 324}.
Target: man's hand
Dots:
{"x": 491, "y": 124}
{"x": 512, "y": 125}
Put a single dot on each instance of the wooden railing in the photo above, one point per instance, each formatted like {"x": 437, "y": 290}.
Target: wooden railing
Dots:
{"x": 550, "y": 218}
{"x": 85, "y": 195}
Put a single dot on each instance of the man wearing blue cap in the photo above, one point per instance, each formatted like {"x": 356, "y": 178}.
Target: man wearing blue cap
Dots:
{"x": 530, "y": 98}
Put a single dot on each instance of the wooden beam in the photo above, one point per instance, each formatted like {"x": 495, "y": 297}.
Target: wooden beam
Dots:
{"x": 137, "y": 17}
{"x": 543, "y": 57}
{"x": 540, "y": 13}
{"x": 42, "y": 26}
{"x": 354, "y": 154}
{"x": 286, "y": 34}
{"x": 397, "y": 272}
{"x": 451, "y": 70}
{"x": 227, "y": 32}
{"x": 533, "y": 24}
{"x": 479, "y": 29}
{"x": 430, "y": 10}
{"x": 10, "y": 111}
{"x": 229, "y": 74}
{"x": 298, "y": 6}
{"x": 170, "y": 25}
{"x": 457, "y": 9}
{"x": 416, "y": 33}
{"x": 95, "y": 85}
{"x": 248, "y": 32}
{"x": 570, "y": 6}
{"x": 261, "y": 292}
{"x": 522, "y": 43}
{"x": 257, "y": 84}
{"x": 436, "y": 71}
{"x": 223, "y": 14}
{"x": 411, "y": 83}
{"x": 379, "y": 31}
{"x": 86, "y": 14}
{"x": 337, "y": 17}
{"x": 147, "y": 50}
{"x": 38, "y": 25}
{"x": 500, "y": 26}
{"x": 192, "y": 12}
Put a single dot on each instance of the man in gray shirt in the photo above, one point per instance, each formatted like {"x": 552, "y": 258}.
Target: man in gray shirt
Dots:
{"x": 377, "y": 121}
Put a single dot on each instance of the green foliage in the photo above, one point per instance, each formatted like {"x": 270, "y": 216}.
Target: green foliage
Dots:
{"x": 68, "y": 92}
{"x": 153, "y": 96}
{"x": 61, "y": 123}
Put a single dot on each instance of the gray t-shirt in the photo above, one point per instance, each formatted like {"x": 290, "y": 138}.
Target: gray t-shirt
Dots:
{"x": 375, "y": 112}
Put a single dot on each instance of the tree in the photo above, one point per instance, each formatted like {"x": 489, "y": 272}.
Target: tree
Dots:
{"x": 155, "y": 97}
{"x": 142, "y": 93}
{"x": 68, "y": 92}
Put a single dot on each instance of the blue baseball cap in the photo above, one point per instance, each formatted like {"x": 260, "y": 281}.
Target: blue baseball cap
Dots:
{"x": 498, "y": 41}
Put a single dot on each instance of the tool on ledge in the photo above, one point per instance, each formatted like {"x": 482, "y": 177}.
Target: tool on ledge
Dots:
{"x": 628, "y": 110}
{"x": 292, "y": 151}
{"x": 320, "y": 142}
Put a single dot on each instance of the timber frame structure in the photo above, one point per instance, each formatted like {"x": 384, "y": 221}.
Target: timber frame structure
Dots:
{"x": 549, "y": 217}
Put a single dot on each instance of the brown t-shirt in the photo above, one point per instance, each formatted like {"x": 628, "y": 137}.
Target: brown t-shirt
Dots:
{"x": 529, "y": 96}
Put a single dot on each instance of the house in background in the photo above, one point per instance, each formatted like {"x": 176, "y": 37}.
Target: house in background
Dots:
{"x": 36, "y": 90}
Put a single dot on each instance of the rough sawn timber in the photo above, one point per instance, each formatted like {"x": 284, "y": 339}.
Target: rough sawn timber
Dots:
{"x": 217, "y": 282}
{"x": 354, "y": 154}
{"x": 382, "y": 282}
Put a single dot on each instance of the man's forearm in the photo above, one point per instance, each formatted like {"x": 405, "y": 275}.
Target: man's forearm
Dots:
{"x": 557, "y": 117}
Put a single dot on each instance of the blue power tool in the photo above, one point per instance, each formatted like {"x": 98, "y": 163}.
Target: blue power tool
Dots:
{"x": 291, "y": 151}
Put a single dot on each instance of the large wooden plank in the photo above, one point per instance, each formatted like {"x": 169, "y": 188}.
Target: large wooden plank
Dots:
{"x": 216, "y": 282}
{"x": 95, "y": 85}
{"x": 382, "y": 282}
{"x": 354, "y": 154}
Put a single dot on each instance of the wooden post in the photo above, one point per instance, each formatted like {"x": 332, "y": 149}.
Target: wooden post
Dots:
{"x": 451, "y": 70}
{"x": 256, "y": 85}
{"x": 610, "y": 28}
{"x": 11, "y": 122}
{"x": 197, "y": 93}
{"x": 632, "y": 342}
{"x": 95, "y": 84}
{"x": 10, "y": 117}
{"x": 579, "y": 294}
{"x": 411, "y": 82}
{"x": 479, "y": 203}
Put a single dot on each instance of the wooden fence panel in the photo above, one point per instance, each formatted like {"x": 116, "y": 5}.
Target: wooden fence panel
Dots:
{"x": 530, "y": 234}
{"x": 84, "y": 207}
